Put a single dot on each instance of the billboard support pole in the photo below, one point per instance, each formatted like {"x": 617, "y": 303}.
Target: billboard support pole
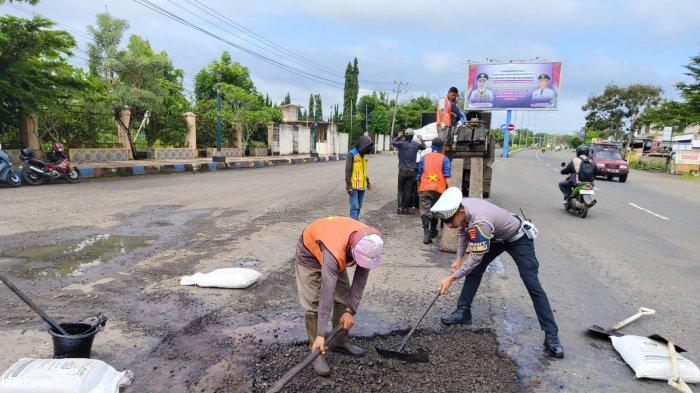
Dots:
{"x": 506, "y": 136}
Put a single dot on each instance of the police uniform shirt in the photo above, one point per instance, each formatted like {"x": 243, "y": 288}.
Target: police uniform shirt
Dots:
{"x": 485, "y": 223}
{"x": 477, "y": 95}
{"x": 543, "y": 96}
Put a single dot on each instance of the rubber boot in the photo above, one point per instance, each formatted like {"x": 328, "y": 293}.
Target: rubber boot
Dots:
{"x": 462, "y": 315}
{"x": 320, "y": 365}
{"x": 426, "y": 230}
{"x": 340, "y": 342}
{"x": 433, "y": 227}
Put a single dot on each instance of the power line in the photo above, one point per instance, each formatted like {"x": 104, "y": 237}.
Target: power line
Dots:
{"x": 75, "y": 31}
{"x": 218, "y": 15}
{"x": 316, "y": 78}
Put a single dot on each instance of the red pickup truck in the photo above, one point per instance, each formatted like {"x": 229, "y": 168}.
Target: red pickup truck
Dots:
{"x": 609, "y": 162}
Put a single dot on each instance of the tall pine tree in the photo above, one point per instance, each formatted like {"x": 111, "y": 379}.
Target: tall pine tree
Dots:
{"x": 318, "y": 108}
{"x": 311, "y": 107}
{"x": 350, "y": 92}
{"x": 287, "y": 100}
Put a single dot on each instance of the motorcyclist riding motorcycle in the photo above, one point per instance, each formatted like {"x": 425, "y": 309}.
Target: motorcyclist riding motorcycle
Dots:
{"x": 573, "y": 169}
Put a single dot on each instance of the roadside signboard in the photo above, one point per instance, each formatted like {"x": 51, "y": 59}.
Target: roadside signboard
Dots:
{"x": 511, "y": 127}
{"x": 667, "y": 134}
{"x": 503, "y": 127}
{"x": 687, "y": 157}
{"x": 521, "y": 86}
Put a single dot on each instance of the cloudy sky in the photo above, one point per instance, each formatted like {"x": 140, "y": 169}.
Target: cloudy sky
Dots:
{"x": 425, "y": 43}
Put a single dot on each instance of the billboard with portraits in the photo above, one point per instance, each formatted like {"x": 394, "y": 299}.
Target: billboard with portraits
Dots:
{"x": 520, "y": 86}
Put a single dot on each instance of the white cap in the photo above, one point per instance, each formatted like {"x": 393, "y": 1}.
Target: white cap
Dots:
{"x": 448, "y": 204}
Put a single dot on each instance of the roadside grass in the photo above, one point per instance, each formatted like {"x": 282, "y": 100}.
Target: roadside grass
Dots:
{"x": 648, "y": 166}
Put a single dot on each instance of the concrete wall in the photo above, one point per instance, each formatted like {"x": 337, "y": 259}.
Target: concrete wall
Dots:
{"x": 322, "y": 148}
{"x": 285, "y": 139}
{"x": 303, "y": 140}
{"x": 387, "y": 142}
{"x": 343, "y": 138}
{"x": 79, "y": 156}
{"x": 379, "y": 142}
{"x": 171, "y": 154}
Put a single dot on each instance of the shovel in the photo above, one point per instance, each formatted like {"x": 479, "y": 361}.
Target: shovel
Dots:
{"x": 282, "y": 382}
{"x": 416, "y": 357}
{"x": 54, "y": 324}
{"x": 612, "y": 331}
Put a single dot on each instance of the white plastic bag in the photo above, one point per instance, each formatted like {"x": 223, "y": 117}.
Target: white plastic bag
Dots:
{"x": 232, "y": 278}
{"x": 63, "y": 376}
{"x": 427, "y": 133}
{"x": 651, "y": 359}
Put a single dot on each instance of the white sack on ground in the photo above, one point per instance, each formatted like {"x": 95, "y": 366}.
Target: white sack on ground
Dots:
{"x": 651, "y": 359}
{"x": 231, "y": 278}
{"x": 63, "y": 376}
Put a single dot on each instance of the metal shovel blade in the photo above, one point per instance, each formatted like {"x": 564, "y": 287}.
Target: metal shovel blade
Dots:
{"x": 602, "y": 332}
{"x": 408, "y": 357}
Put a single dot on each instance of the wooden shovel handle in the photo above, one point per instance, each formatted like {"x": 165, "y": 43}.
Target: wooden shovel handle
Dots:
{"x": 676, "y": 381}
{"x": 282, "y": 382}
{"x": 642, "y": 311}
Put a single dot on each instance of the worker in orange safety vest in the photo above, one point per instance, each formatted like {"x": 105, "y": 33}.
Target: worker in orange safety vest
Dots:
{"x": 433, "y": 178}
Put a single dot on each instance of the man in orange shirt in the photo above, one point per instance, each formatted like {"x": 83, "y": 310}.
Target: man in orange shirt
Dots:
{"x": 326, "y": 248}
{"x": 433, "y": 178}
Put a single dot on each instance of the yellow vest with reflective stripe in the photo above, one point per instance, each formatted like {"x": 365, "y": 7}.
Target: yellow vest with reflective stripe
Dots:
{"x": 359, "y": 172}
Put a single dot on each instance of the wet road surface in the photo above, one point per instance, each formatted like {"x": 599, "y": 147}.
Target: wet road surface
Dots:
{"x": 120, "y": 246}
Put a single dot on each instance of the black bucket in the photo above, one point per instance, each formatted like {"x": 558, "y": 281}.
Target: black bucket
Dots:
{"x": 78, "y": 342}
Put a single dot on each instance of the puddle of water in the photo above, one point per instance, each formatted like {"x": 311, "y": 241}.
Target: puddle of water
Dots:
{"x": 71, "y": 257}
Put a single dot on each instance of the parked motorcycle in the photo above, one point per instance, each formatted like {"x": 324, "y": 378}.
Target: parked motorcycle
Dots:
{"x": 36, "y": 171}
{"x": 7, "y": 174}
{"x": 581, "y": 198}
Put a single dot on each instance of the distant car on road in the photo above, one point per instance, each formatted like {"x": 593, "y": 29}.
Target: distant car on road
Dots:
{"x": 609, "y": 161}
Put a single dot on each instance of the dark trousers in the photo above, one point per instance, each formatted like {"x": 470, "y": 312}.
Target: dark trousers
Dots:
{"x": 523, "y": 253}
{"x": 566, "y": 187}
{"x": 407, "y": 181}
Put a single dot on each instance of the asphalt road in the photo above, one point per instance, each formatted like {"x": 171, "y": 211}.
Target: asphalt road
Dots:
{"x": 637, "y": 247}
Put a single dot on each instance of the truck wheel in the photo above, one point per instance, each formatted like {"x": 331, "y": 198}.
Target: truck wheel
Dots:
{"x": 610, "y": 177}
{"x": 623, "y": 178}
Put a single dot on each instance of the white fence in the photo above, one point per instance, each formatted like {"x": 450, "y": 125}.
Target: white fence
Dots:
{"x": 283, "y": 139}
{"x": 303, "y": 140}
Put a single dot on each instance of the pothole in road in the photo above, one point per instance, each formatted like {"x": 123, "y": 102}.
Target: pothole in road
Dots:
{"x": 70, "y": 257}
{"x": 460, "y": 360}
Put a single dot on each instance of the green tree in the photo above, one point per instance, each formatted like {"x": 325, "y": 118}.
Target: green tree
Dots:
{"x": 691, "y": 91}
{"x": 287, "y": 100}
{"x": 318, "y": 108}
{"x": 34, "y": 72}
{"x": 350, "y": 92}
{"x": 312, "y": 111}
{"x": 409, "y": 115}
{"x": 620, "y": 107}
{"x": 103, "y": 50}
{"x": 678, "y": 115}
{"x": 241, "y": 103}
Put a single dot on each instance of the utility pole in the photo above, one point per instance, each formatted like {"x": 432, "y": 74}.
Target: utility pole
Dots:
{"x": 366, "y": 128}
{"x": 218, "y": 113}
{"x": 396, "y": 102}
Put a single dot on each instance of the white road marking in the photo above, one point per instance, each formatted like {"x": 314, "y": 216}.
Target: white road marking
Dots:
{"x": 647, "y": 210}
{"x": 596, "y": 188}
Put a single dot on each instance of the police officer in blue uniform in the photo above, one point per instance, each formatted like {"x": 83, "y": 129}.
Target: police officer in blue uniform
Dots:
{"x": 488, "y": 231}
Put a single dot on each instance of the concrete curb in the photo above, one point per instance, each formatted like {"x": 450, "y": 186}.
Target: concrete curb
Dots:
{"x": 89, "y": 172}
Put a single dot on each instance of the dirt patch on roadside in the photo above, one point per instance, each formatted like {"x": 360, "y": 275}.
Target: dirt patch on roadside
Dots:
{"x": 460, "y": 360}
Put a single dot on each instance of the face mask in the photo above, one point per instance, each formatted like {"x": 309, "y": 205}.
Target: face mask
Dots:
{"x": 409, "y": 137}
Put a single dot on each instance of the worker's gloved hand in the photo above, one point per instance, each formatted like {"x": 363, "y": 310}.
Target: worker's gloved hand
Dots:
{"x": 445, "y": 284}
{"x": 347, "y": 320}
{"x": 320, "y": 343}
{"x": 455, "y": 264}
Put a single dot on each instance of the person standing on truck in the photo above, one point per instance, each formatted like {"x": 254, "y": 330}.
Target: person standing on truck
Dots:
{"x": 408, "y": 154}
{"x": 356, "y": 180}
{"x": 434, "y": 173}
{"x": 444, "y": 116}
{"x": 488, "y": 231}
{"x": 326, "y": 248}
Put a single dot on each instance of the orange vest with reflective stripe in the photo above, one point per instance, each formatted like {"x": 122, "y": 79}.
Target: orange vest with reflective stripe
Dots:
{"x": 334, "y": 233}
{"x": 444, "y": 115}
{"x": 432, "y": 178}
